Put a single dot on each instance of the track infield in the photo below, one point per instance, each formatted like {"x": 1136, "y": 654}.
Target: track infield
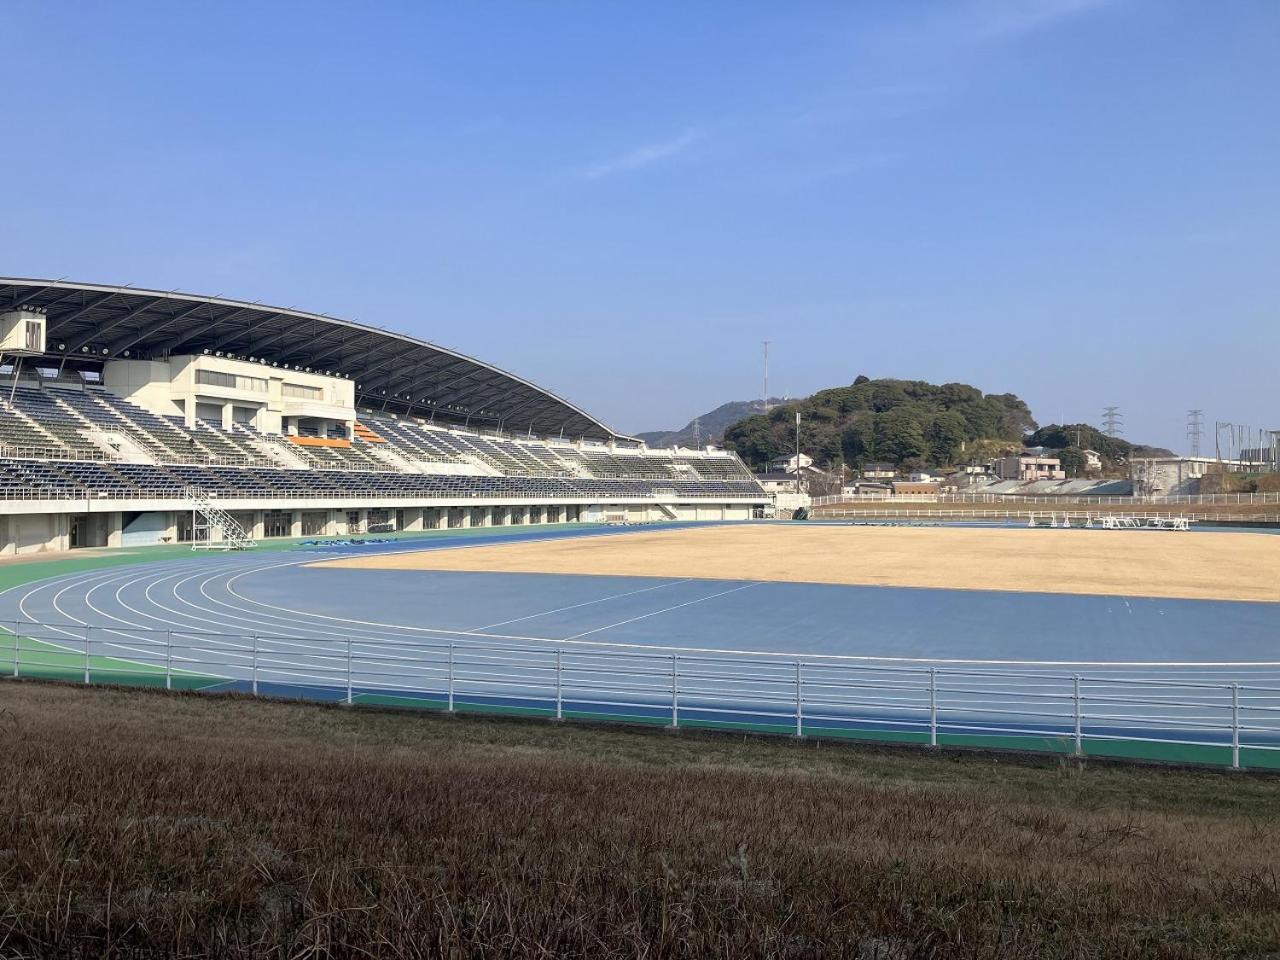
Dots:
{"x": 1200, "y": 565}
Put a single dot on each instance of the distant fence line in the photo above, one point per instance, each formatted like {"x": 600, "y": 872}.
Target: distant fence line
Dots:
{"x": 1226, "y": 713}
{"x": 1061, "y": 512}
{"x": 1207, "y": 499}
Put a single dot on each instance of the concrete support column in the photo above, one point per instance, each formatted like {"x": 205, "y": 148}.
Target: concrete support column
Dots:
{"x": 61, "y": 533}
{"x": 228, "y": 416}
{"x": 331, "y": 524}
{"x": 115, "y": 529}
{"x": 466, "y": 516}
{"x": 413, "y": 519}
{"x": 171, "y": 527}
{"x": 259, "y": 527}
{"x": 295, "y": 524}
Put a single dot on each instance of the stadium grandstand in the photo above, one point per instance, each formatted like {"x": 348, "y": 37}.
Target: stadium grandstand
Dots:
{"x": 131, "y": 417}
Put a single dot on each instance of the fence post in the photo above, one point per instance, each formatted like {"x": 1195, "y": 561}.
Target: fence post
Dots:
{"x": 86, "y": 654}
{"x": 451, "y": 645}
{"x": 1235, "y": 726}
{"x": 254, "y": 675}
{"x": 17, "y": 649}
{"x": 559, "y": 686}
{"x": 675, "y": 691}
{"x": 799, "y": 698}
{"x": 933, "y": 706}
{"x": 1075, "y": 696}
{"x": 350, "y": 699}
{"x": 168, "y": 659}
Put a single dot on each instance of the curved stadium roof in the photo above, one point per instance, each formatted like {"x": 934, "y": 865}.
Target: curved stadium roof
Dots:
{"x": 392, "y": 372}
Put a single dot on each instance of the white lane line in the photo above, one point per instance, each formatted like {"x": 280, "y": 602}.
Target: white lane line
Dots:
{"x": 1108, "y": 664}
{"x": 129, "y": 580}
{"x": 646, "y": 616}
{"x": 575, "y": 606}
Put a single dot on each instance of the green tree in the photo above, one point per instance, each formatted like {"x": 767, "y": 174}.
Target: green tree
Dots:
{"x": 899, "y": 435}
{"x": 946, "y": 433}
{"x": 754, "y": 440}
{"x": 858, "y": 442}
{"x": 1073, "y": 461}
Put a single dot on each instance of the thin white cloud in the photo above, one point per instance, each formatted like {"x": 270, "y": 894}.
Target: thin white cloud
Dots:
{"x": 645, "y": 155}
{"x": 1007, "y": 19}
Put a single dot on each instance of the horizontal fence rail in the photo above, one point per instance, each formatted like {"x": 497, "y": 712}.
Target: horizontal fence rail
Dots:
{"x": 1226, "y": 714}
{"x": 1204, "y": 499}
{"x": 1041, "y": 516}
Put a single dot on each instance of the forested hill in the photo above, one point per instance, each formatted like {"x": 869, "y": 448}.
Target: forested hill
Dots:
{"x": 711, "y": 425}
{"x": 905, "y": 422}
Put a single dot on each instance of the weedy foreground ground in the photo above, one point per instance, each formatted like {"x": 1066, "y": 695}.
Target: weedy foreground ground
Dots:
{"x": 146, "y": 824}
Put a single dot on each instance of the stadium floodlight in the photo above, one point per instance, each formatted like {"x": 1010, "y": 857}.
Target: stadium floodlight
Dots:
{"x": 84, "y": 349}
{"x": 206, "y": 351}
{"x": 124, "y": 353}
{"x": 62, "y": 346}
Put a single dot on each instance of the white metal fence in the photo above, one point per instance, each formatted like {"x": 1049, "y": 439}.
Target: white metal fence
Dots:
{"x": 1218, "y": 713}
{"x": 1206, "y": 499}
{"x": 1039, "y": 517}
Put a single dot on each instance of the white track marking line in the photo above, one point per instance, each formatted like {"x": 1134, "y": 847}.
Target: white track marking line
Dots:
{"x": 575, "y": 606}
{"x": 1109, "y": 664}
{"x": 860, "y": 658}
{"x": 63, "y": 629}
{"x": 646, "y": 616}
{"x": 86, "y": 598}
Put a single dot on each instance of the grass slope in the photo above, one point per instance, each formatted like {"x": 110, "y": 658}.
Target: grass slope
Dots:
{"x": 144, "y": 824}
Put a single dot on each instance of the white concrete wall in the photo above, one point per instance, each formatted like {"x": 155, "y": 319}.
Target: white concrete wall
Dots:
{"x": 172, "y": 387}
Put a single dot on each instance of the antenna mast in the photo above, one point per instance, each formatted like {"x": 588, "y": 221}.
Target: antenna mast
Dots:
{"x": 765, "y": 397}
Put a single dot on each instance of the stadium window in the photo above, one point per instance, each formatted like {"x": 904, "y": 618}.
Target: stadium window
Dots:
{"x": 47, "y": 373}
{"x": 232, "y": 381}
{"x": 302, "y": 392}
{"x": 91, "y": 376}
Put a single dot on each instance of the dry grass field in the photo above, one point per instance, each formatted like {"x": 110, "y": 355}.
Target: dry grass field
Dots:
{"x": 140, "y": 824}
{"x": 1198, "y": 565}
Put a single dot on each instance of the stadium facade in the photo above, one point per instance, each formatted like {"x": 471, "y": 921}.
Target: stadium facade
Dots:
{"x": 132, "y": 417}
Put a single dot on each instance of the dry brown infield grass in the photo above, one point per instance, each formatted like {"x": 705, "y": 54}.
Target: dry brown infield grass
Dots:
{"x": 1198, "y": 565}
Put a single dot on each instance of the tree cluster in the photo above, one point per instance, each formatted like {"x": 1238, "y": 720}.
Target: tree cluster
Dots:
{"x": 1069, "y": 441}
{"x": 909, "y": 423}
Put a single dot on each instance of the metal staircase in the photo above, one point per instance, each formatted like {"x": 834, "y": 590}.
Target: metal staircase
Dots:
{"x": 205, "y": 516}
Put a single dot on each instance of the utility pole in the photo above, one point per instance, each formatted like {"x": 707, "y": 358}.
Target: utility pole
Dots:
{"x": 765, "y": 398}
{"x": 1112, "y": 421}
{"x": 1195, "y": 427}
{"x": 797, "y": 449}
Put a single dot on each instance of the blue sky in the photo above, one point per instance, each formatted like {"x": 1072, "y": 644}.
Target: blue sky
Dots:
{"x": 1072, "y": 200}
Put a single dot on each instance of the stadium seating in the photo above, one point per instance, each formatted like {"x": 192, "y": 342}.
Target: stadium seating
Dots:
{"x": 48, "y": 439}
